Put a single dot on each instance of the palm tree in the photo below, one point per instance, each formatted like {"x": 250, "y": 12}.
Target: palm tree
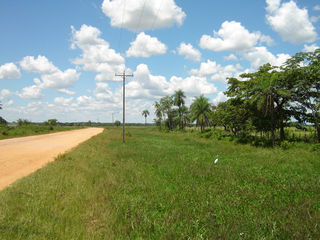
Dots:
{"x": 200, "y": 111}
{"x": 184, "y": 118}
{"x": 145, "y": 113}
{"x": 178, "y": 98}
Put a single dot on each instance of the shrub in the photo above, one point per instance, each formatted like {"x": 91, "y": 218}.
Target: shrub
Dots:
{"x": 128, "y": 134}
{"x": 316, "y": 147}
{"x": 286, "y": 145}
{"x": 206, "y": 134}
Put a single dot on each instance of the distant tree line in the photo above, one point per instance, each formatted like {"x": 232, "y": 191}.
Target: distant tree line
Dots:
{"x": 264, "y": 101}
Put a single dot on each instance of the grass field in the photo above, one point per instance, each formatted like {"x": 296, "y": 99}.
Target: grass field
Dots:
{"x": 31, "y": 129}
{"x": 166, "y": 186}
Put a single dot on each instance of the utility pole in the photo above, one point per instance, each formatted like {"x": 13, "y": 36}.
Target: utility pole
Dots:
{"x": 124, "y": 101}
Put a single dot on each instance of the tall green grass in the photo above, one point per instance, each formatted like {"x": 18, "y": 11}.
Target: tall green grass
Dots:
{"x": 31, "y": 129}
{"x": 166, "y": 186}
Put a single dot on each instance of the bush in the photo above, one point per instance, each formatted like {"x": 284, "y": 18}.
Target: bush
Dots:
{"x": 286, "y": 145}
{"x": 3, "y": 121}
{"x": 206, "y": 134}
{"x": 316, "y": 147}
{"x": 128, "y": 134}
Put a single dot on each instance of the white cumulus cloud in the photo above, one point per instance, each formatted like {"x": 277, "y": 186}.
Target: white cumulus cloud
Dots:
{"x": 189, "y": 52}
{"x": 103, "y": 92}
{"x": 32, "y": 92}
{"x": 232, "y": 36}
{"x": 260, "y": 55}
{"x": 215, "y": 71}
{"x": 192, "y": 86}
{"x": 63, "y": 101}
{"x": 97, "y": 56}
{"x": 145, "y": 46}
{"x": 221, "y": 97}
{"x": 5, "y": 93}
{"x": 9, "y": 71}
{"x": 316, "y": 8}
{"x": 148, "y": 86}
{"x": 39, "y": 65}
{"x": 66, "y": 91}
{"x": 59, "y": 79}
{"x": 310, "y": 48}
{"x": 231, "y": 57}
{"x": 51, "y": 76}
{"x": 290, "y": 21}
{"x": 139, "y": 15}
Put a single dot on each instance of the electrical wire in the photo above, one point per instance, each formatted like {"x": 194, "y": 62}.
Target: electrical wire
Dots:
{"x": 155, "y": 17}
{"x": 122, "y": 20}
{"x": 140, "y": 17}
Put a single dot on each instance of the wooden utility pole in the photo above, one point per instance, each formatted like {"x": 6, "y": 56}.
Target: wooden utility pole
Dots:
{"x": 124, "y": 102}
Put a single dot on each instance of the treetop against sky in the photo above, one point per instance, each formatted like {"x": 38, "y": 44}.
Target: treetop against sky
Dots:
{"x": 58, "y": 59}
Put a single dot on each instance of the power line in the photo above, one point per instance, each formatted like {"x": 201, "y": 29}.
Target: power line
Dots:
{"x": 124, "y": 75}
{"x": 122, "y": 20}
{"x": 155, "y": 17}
{"x": 140, "y": 17}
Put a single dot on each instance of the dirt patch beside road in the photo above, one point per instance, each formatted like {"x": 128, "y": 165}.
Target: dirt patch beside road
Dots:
{"x": 22, "y": 156}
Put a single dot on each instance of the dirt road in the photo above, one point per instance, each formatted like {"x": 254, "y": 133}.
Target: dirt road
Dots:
{"x": 22, "y": 156}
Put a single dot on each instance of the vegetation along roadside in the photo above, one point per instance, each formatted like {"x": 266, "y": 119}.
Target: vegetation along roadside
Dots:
{"x": 166, "y": 186}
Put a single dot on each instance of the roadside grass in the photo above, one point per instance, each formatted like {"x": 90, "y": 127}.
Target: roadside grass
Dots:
{"x": 31, "y": 129}
{"x": 166, "y": 186}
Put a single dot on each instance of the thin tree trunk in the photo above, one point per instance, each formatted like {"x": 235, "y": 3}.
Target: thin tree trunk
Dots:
{"x": 282, "y": 134}
{"x": 273, "y": 127}
{"x": 318, "y": 130}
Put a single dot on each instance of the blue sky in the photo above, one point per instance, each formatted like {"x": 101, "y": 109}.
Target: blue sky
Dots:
{"x": 58, "y": 58}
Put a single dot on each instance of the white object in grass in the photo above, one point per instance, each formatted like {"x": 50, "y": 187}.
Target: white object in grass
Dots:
{"x": 216, "y": 161}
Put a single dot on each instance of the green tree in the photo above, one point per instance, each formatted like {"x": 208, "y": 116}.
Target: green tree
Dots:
{"x": 168, "y": 112}
{"x": 3, "y": 121}
{"x": 22, "y": 122}
{"x": 200, "y": 111}
{"x": 178, "y": 100}
{"x": 52, "y": 122}
{"x": 183, "y": 115}
{"x": 158, "y": 113}
{"x": 303, "y": 70}
{"x": 270, "y": 91}
{"x": 145, "y": 113}
{"x": 117, "y": 123}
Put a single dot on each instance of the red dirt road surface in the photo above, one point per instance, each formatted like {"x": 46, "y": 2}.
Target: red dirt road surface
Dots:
{"x": 22, "y": 156}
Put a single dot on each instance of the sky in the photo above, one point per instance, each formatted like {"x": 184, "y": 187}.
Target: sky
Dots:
{"x": 58, "y": 59}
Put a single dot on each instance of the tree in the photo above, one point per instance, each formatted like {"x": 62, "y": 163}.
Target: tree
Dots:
{"x": 3, "y": 121}
{"x": 52, "y": 122}
{"x": 200, "y": 110}
{"x": 22, "y": 122}
{"x": 178, "y": 100}
{"x": 158, "y": 112}
{"x": 167, "y": 111}
{"x": 304, "y": 71}
{"x": 270, "y": 91}
{"x": 117, "y": 123}
{"x": 184, "y": 118}
{"x": 145, "y": 113}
